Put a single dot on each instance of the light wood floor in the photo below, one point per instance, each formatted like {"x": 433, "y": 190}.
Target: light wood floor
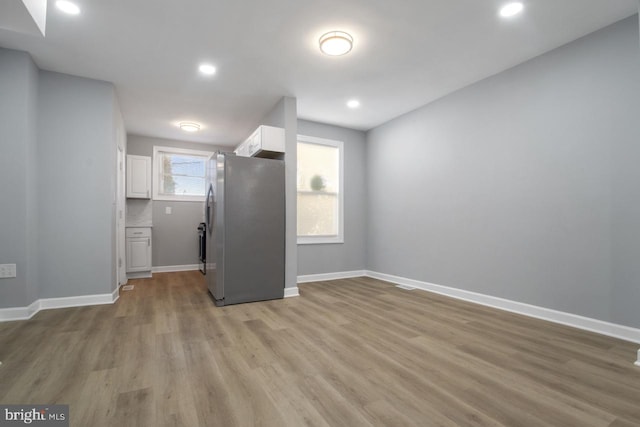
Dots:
{"x": 354, "y": 352}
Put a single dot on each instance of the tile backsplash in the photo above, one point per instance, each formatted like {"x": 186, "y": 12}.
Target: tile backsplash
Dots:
{"x": 139, "y": 212}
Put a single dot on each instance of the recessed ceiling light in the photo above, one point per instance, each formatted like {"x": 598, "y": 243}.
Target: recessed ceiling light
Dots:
{"x": 68, "y": 7}
{"x": 207, "y": 69}
{"x": 189, "y": 126}
{"x": 511, "y": 9}
{"x": 336, "y": 43}
{"x": 354, "y": 103}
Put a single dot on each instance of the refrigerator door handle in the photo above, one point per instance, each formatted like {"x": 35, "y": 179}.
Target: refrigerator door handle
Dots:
{"x": 209, "y": 207}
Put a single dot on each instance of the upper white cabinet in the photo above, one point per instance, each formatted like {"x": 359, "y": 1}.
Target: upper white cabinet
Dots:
{"x": 266, "y": 141}
{"x": 138, "y": 177}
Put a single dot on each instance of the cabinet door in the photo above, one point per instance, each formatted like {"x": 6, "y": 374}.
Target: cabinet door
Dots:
{"x": 138, "y": 177}
{"x": 138, "y": 254}
{"x": 254, "y": 143}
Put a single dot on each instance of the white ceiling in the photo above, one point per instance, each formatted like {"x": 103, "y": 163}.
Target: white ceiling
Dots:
{"x": 406, "y": 53}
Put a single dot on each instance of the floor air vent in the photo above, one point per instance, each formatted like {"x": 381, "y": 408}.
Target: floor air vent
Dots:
{"x": 127, "y": 287}
{"x": 406, "y": 287}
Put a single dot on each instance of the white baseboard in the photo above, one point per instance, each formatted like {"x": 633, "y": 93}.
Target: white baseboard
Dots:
{"x": 139, "y": 275}
{"x": 593, "y": 325}
{"x": 174, "y": 268}
{"x": 330, "y": 276}
{"x": 291, "y": 292}
{"x": 25, "y": 313}
{"x": 638, "y": 361}
{"x": 14, "y": 313}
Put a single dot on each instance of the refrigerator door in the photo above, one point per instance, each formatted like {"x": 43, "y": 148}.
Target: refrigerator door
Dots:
{"x": 217, "y": 291}
{"x": 251, "y": 246}
{"x": 209, "y": 220}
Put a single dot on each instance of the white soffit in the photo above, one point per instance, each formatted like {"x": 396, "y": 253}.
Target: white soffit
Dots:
{"x": 24, "y": 16}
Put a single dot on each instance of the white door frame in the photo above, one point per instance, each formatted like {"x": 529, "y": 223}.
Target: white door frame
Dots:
{"x": 120, "y": 218}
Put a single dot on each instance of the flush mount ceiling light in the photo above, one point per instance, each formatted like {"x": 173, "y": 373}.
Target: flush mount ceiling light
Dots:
{"x": 189, "y": 126}
{"x": 336, "y": 43}
{"x": 511, "y": 9}
{"x": 353, "y": 103}
{"x": 68, "y": 7}
{"x": 207, "y": 69}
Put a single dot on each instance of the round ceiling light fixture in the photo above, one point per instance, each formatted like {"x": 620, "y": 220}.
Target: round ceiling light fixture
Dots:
{"x": 189, "y": 126}
{"x": 511, "y": 9}
{"x": 207, "y": 69}
{"x": 336, "y": 43}
{"x": 353, "y": 103}
{"x": 68, "y": 7}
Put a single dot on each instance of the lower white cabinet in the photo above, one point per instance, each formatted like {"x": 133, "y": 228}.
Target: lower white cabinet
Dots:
{"x": 138, "y": 249}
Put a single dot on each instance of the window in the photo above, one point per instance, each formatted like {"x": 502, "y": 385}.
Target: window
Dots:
{"x": 320, "y": 190}
{"x": 179, "y": 174}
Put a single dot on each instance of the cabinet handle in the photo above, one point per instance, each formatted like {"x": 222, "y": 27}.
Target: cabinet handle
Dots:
{"x": 149, "y": 242}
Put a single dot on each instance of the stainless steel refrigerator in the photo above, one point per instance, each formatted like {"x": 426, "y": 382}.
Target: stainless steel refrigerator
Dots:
{"x": 245, "y": 218}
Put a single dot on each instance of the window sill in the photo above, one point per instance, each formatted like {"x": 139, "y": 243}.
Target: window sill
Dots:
{"x": 180, "y": 199}
{"x": 320, "y": 240}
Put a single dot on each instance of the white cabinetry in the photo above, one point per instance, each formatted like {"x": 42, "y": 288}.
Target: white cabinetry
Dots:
{"x": 266, "y": 141}
{"x": 138, "y": 177}
{"x": 139, "y": 250}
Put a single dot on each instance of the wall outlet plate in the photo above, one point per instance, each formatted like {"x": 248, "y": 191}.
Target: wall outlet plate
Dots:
{"x": 168, "y": 210}
{"x": 7, "y": 271}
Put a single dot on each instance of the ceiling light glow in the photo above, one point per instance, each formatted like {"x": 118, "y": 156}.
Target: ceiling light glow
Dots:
{"x": 511, "y": 9}
{"x": 207, "y": 69}
{"x": 336, "y": 43}
{"x": 68, "y": 7}
{"x": 189, "y": 126}
{"x": 354, "y": 103}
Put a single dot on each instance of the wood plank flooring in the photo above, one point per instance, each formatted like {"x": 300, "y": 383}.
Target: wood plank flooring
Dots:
{"x": 355, "y": 352}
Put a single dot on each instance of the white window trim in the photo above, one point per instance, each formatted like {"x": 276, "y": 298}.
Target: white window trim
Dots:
{"x": 318, "y": 240}
{"x": 157, "y": 168}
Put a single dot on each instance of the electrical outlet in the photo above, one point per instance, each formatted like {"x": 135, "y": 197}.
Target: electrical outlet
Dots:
{"x": 168, "y": 210}
{"x": 7, "y": 271}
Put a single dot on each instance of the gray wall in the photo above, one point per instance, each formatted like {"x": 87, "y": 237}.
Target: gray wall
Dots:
{"x": 57, "y": 180}
{"x": 18, "y": 221}
{"x": 285, "y": 115}
{"x": 625, "y": 303}
{"x": 350, "y": 255}
{"x": 76, "y": 173}
{"x": 175, "y": 236}
{"x": 522, "y": 186}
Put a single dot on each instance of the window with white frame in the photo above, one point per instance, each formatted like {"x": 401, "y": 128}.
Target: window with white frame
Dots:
{"x": 320, "y": 190}
{"x": 179, "y": 174}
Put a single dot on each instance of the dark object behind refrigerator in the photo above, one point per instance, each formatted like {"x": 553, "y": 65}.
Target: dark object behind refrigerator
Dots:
{"x": 202, "y": 247}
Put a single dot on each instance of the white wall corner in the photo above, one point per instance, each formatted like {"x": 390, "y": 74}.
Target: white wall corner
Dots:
{"x": 291, "y": 292}
{"x": 34, "y": 308}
